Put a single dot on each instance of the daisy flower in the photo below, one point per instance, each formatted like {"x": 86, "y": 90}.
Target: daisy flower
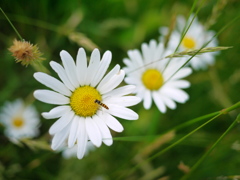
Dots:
{"x": 155, "y": 78}
{"x": 195, "y": 38}
{"x": 20, "y": 121}
{"x": 86, "y": 100}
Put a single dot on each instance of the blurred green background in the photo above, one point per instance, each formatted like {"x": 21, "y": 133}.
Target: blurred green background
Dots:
{"x": 120, "y": 25}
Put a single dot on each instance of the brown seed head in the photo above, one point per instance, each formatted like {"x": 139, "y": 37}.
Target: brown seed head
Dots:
{"x": 25, "y": 52}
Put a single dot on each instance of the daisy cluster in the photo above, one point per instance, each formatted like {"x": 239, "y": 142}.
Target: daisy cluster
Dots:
{"x": 87, "y": 97}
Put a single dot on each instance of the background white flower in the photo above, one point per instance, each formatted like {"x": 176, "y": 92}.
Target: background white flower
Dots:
{"x": 72, "y": 152}
{"x": 87, "y": 100}
{"x": 20, "y": 121}
{"x": 155, "y": 78}
{"x": 195, "y": 38}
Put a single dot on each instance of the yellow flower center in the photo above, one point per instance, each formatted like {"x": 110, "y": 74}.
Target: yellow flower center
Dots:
{"x": 152, "y": 79}
{"x": 18, "y": 122}
{"x": 188, "y": 43}
{"x": 83, "y": 100}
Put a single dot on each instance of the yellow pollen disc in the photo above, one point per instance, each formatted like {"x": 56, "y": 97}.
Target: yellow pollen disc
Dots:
{"x": 83, "y": 99}
{"x": 188, "y": 43}
{"x": 152, "y": 79}
{"x": 18, "y": 122}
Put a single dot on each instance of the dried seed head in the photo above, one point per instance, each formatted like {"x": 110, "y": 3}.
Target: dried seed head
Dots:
{"x": 25, "y": 52}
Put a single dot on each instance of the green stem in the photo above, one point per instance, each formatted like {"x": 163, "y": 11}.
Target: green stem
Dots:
{"x": 20, "y": 37}
{"x": 210, "y": 150}
{"x": 195, "y": 120}
{"x": 38, "y": 66}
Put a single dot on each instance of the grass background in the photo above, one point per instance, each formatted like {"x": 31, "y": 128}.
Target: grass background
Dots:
{"x": 120, "y": 25}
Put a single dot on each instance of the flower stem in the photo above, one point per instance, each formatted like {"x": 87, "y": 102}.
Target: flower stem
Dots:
{"x": 20, "y": 37}
{"x": 237, "y": 120}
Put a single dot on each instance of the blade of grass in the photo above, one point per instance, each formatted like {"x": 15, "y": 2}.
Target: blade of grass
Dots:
{"x": 224, "y": 111}
{"x": 151, "y": 137}
{"x": 196, "y": 165}
{"x": 20, "y": 37}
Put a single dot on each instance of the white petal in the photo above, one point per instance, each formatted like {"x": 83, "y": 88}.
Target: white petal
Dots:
{"x": 60, "y": 137}
{"x": 104, "y": 64}
{"x": 56, "y": 112}
{"x": 93, "y": 66}
{"x": 147, "y": 99}
{"x": 121, "y": 91}
{"x": 105, "y": 132}
{"x": 112, "y": 83}
{"x": 70, "y": 67}
{"x": 163, "y": 31}
{"x": 169, "y": 102}
{"x": 159, "y": 102}
{"x": 122, "y": 112}
{"x": 114, "y": 71}
{"x": 50, "y": 97}
{"x": 128, "y": 63}
{"x": 62, "y": 74}
{"x": 158, "y": 52}
{"x": 93, "y": 132}
{"x": 82, "y": 138}
{"x": 136, "y": 57}
{"x": 123, "y": 101}
{"x": 61, "y": 123}
{"x": 52, "y": 83}
{"x": 112, "y": 122}
{"x": 184, "y": 72}
{"x": 146, "y": 53}
{"x": 141, "y": 92}
{"x": 178, "y": 84}
{"x": 81, "y": 66}
{"x": 176, "y": 94}
{"x": 152, "y": 48}
{"x": 73, "y": 131}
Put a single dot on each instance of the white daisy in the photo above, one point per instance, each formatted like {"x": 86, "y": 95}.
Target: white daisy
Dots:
{"x": 20, "y": 121}
{"x": 195, "y": 38}
{"x": 154, "y": 78}
{"x": 68, "y": 153}
{"x": 87, "y": 101}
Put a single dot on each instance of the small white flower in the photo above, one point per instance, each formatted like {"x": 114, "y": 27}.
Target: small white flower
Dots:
{"x": 195, "y": 38}
{"x": 154, "y": 78}
{"x": 87, "y": 100}
{"x": 68, "y": 153}
{"x": 19, "y": 120}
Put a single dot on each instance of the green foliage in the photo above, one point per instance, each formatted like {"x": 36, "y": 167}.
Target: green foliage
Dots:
{"x": 119, "y": 26}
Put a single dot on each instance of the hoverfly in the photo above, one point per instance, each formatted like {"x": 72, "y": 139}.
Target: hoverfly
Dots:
{"x": 101, "y": 104}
